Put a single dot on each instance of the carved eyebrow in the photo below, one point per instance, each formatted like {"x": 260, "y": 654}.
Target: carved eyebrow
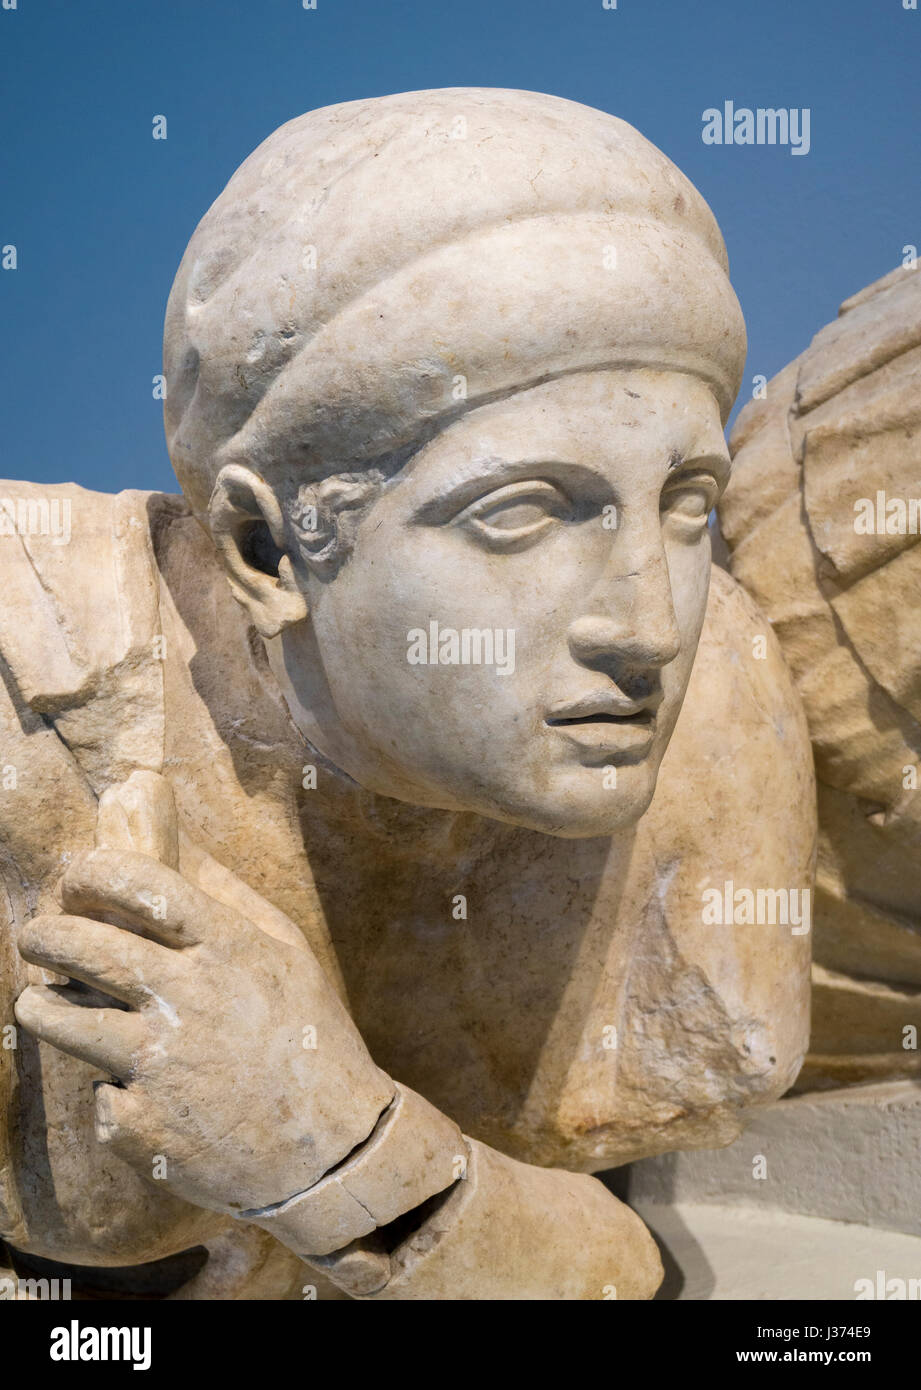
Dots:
{"x": 489, "y": 475}
{"x": 476, "y": 478}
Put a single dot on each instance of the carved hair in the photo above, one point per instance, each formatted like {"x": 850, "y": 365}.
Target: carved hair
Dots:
{"x": 375, "y": 268}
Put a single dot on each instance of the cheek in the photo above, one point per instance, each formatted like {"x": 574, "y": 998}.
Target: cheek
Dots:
{"x": 439, "y": 576}
{"x": 378, "y": 614}
{"x": 689, "y": 575}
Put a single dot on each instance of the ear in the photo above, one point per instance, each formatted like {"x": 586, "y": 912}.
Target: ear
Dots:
{"x": 249, "y": 531}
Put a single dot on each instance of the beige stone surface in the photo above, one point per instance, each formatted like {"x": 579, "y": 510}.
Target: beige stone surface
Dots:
{"x": 837, "y": 439}
{"x": 267, "y": 866}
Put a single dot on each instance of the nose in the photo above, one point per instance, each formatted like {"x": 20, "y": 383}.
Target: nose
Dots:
{"x": 629, "y": 616}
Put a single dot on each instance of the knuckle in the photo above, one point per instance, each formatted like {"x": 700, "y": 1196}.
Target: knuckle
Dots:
{"x": 81, "y": 865}
{"x": 34, "y": 932}
{"x": 77, "y": 879}
{"x": 30, "y": 1007}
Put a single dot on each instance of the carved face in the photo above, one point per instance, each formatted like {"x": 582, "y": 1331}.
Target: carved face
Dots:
{"x": 514, "y": 629}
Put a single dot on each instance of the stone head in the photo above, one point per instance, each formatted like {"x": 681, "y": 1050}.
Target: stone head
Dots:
{"x": 447, "y": 375}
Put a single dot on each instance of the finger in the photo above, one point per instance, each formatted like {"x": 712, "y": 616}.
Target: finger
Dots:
{"x": 120, "y": 1124}
{"x": 125, "y": 966}
{"x": 141, "y": 892}
{"x": 110, "y": 1039}
{"x": 140, "y": 815}
{"x": 225, "y": 887}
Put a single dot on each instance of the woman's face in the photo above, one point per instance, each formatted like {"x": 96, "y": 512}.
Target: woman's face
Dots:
{"x": 514, "y": 629}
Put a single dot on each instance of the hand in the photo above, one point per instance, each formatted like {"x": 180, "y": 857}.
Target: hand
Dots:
{"x": 241, "y": 1079}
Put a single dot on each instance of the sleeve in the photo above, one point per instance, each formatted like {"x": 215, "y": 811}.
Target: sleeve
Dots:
{"x": 422, "y": 1212}
{"x": 513, "y": 1231}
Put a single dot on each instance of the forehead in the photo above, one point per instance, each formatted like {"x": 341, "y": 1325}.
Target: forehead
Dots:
{"x": 613, "y": 422}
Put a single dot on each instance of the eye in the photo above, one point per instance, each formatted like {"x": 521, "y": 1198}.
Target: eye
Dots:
{"x": 514, "y": 516}
{"x": 688, "y": 503}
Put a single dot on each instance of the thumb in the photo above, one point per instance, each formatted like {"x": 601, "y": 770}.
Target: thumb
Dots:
{"x": 140, "y": 814}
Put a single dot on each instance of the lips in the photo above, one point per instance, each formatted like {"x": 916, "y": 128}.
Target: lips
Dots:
{"x": 608, "y": 724}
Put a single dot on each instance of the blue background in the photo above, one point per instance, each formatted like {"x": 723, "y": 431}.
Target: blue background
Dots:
{"x": 100, "y": 212}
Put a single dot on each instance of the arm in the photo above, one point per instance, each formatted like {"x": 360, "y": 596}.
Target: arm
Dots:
{"x": 245, "y": 1087}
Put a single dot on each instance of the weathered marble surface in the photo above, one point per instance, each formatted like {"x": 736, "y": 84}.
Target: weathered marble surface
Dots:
{"x": 840, "y": 424}
{"x": 305, "y": 808}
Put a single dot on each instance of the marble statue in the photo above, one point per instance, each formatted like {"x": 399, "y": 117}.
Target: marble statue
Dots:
{"x": 370, "y": 811}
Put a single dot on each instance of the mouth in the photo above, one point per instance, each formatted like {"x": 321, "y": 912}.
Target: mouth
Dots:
{"x": 642, "y": 716}
{"x": 618, "y": 730}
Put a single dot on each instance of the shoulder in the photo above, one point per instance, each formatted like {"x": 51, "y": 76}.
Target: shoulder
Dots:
{"x": 743, "y": 718}
{"x": 736, "y": 804}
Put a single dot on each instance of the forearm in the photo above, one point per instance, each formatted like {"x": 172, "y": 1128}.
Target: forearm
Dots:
{"x": 425, "y": 1213}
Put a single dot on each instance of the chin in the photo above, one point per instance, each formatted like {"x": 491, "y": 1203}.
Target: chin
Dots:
{"x": 573, "y": 809}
